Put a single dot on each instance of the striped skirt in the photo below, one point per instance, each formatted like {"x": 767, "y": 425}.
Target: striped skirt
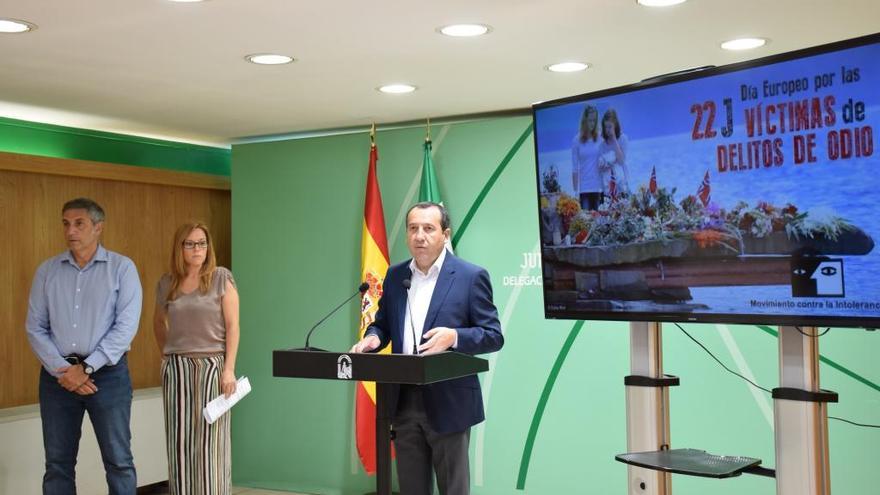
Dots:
{"x": 199, "y": 460}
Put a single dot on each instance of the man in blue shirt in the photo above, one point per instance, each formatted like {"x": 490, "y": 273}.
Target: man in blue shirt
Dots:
{"x": 83, "y": 312}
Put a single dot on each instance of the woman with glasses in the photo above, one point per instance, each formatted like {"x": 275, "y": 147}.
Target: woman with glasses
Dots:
{"x": 196, "y": 327}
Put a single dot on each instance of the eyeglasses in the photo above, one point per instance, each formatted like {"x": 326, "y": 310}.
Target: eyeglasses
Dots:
{"x": 193, "y": 245}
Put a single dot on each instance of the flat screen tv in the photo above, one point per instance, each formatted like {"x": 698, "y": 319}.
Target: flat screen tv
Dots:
{"x": 748, "y": 193}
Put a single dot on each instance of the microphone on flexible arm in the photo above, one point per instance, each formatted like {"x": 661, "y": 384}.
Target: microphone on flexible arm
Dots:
{"x": 361, "y": 289}
{"x": 407, "y": 283}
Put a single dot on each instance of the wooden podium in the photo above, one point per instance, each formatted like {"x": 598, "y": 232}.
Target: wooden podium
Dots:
{"x": 385, "y": 370}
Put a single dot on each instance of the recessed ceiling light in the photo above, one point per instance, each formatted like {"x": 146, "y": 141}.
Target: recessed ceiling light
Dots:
{"x": 568, "y": 67}
{"x": 464, "y": 30}
{"x": 268, "y": 59}
{"x": 14, "y": 26}
{"x": 397, "y": 89}
{"x": 743, "y": 43}
{"x": 660, "y": 3}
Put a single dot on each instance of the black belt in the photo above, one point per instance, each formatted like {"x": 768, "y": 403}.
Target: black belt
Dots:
{"x": 74, "y": 359}
{"x": 77, "y": 359}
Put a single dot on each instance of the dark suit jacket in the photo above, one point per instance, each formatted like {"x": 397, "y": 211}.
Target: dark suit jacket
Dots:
{"x": 462, "y": 300}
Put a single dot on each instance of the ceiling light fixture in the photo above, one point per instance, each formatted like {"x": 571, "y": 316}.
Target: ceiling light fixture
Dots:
{"x": 464, "y": 30}
{"x": 15, "y": 26}
{"x": 743, "y": 43}
{"x": 396, "y": 89}
{"x": 659, "y": 3}
{"x": 268, "y": 59}
{"x": 568, "y": 67}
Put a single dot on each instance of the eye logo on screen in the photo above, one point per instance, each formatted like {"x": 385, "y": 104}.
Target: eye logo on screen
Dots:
{"x": 817, "y": 277}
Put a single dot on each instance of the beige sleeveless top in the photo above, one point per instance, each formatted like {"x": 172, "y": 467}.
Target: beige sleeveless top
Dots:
{"x": 195, "y": 320}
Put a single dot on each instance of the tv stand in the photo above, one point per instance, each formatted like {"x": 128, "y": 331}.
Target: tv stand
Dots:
{"x": 800, "y": 420}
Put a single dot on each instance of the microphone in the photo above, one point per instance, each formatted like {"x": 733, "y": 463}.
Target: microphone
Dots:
{"x": 361, "y": 289}
{"x": 407, "y": 283}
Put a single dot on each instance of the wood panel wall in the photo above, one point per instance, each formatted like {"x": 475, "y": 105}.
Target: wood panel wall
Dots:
{"x": 143, "y": 208}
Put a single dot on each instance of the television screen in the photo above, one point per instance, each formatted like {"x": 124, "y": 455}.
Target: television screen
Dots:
{"x": 743, "y": 194}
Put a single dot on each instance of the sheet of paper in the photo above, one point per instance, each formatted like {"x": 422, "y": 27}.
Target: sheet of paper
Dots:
{"x": 221, "y": 404}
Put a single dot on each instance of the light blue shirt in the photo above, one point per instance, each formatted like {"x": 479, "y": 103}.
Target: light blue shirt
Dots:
{"x": 92, "y": 312}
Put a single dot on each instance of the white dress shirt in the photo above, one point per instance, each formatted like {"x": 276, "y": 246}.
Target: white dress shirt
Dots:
{"x": 418, "y": 299}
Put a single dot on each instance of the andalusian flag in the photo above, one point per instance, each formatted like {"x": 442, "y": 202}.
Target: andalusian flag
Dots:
{"x": 374, "y": 264}
{"x": 430, "y": 189}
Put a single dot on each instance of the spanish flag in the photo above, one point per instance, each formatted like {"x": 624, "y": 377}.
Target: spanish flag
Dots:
{"x": 374, "y": 264}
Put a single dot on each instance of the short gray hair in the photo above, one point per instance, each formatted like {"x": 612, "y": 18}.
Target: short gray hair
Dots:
{"x": 444, "y": 214}
{"x": 96, "y": 213}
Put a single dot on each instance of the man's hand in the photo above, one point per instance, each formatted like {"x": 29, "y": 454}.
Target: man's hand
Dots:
{"x": 74, "y": 379}
{"x": 227, "y": 383}
{"x": 87, "y": 388}
{"x": 366, "y": 344}
{"x": 439, "y": 340}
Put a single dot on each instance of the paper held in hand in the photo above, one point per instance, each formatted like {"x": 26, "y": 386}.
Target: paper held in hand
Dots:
{"x": 221, "y": 404}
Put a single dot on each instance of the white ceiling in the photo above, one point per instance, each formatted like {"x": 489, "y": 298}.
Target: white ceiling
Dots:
{"x": 177, "y": 70}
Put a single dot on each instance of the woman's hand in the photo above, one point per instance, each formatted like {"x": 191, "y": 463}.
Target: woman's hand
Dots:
{"x": 227, "y": 383}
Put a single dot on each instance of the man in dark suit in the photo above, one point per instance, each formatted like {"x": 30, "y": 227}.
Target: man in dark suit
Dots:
{"x": 433, "y": 303}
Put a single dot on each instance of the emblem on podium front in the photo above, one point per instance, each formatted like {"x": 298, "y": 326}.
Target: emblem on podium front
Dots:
{"x": 343, "y": 367}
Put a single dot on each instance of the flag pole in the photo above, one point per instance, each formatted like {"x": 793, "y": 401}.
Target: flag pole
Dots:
{"x": 428, "y": 129}
{"x": 373, "y": 135}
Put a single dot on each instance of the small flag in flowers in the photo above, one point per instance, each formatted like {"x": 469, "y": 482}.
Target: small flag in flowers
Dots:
{"x": 704, "y": 191}
{"x": 612, "y": 187}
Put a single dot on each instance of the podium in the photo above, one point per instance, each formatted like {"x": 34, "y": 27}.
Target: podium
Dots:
{"x": 384, "y": 369}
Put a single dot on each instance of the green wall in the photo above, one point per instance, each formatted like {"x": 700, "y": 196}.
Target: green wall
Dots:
{"x": 554, "y": 395}
{"x": 31, "y": 138}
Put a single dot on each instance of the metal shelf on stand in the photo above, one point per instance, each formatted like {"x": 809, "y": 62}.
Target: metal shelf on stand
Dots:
{"x": 695, "y": 462}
